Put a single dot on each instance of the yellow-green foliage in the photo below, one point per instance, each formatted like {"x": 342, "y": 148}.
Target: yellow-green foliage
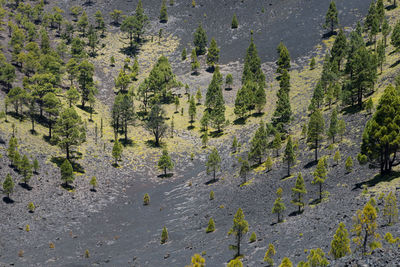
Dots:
{"x": 212, "y": 195}
{"x": 164, "y": 235}
{"x": 197, "y": 261}
{"x": 364, "y": 228}
{"x": 340, "y": 245}
{"x": 390, "y": 211}
{"x": 389, "y": 238}
{"x": 146, "y": 199}
{"x": 317, "y": 258}
{"x": 211, "y": 226}
{"x": 27, "y": 228}
{"x": 269, "y": 254}
{"x": 253, "y": 237}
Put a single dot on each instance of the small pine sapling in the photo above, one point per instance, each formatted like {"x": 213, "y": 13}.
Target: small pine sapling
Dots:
{"x": 211, "y": 226}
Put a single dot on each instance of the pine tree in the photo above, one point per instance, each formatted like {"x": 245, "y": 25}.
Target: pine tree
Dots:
{"x": 165, "y": 163}
{"x": 252, "y": 66}
{"x": 235, "y": 263}
{"x": 339, "y": 49}
{"x": 213, "y": 163}
{"x": 333, "y": 126}
{"x": 146, "y": 199}
{"x": 277, "y": 143}
{"x": 244, "y": 170}
{"x": 192, "y": 110}
{"x": 386, "y": 29}
{"x": 283, "y": 111}
{"x": 331, "y": 18}
{"x": 156, "y": 123}
{"x": 198, "y": 96}
{"x": 316, "y": 127}
{"x": 378, "y": 145}
{"x": 240, "y": 227}
{"x": 235, "y": 145}
{"x": 365, "y": 226}
{"x": 336, "y": 157}
{"x": 67, "y": 173}
{"x": 317, "y": 258}
{"x": 395, "y": 39}
{"x": 116, "y": 15}
{"x": 211, "y": 226}
{"x": 381, "y": 54}
{"x": 26, "y": 169}
{"x": 51, "y": 106}
{"x": 229, "y": 81}
{"x": 184, "y": 54}
{"x": 235, "y": 22}
{"x": 195, "y": 63}
{"x": 8, "y": 186}
{"x": 349, "y": 164}
{"x": 260, "y": 99}
{"x": 35, "y": 165}
{"x": 390, "y": 211}
{"x": 286, "y": 262}
{"x": 204, "y": 139}
{"x": 163, "y": 13}
{"x": 200, "y": 40}
{"x": 270, "y": 252}
{"x": 69, "y": 131}
{"x": 164, "y": 235}
{"x": 340, "y": 245}
{"x": 93, "y": 183}
{"x": 298, "y": 192}
{"x": 320, "y": 175}
{"x": 197, "y": 261}
{"x": 283, "y": 58}
{"x": 289, "y": 156}
{"x": 268, "y": 164}
{"x": 213, "y": 54}
{"x": 72, "y": 96}
{"x": 279, "y": 206}
{"x": 117, "y": 151}
{"x": 312, "y": 63}
{"x": 258, "y": 144}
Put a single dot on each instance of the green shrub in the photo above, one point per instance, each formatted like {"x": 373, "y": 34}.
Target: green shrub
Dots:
{"x": 211, "y": 226}
{"x": 253, "y": 237}
{"x": 146, "y": 199}
{"x": 31, "y": 207}
{"x": 212, "y": 195}
{"x": 349, "y": 164}
{"x": 164, "y": 235}
{"x": 362, "y": 159}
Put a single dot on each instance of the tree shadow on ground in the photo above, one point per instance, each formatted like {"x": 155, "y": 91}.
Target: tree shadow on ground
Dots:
{"x": 391, "y": 7}
{"x": 212, "y": 181}
{"x": 240, "y": 121}
{"x": 216, "y": 134}
{"x": 25, "y": 186}
{"x": 257, "y": 114}
{"x": 8, "y": 200}
{"x": 228, "y": 88}
{"x": 168, "y": 175}
{"x": 295, "y": 213}
{"x": 329, "y": 35}
{"x": 378, "y": 179}
{"x": 310, "y": 164}
{"x": 190, "y": 127}
{"x": 315, "y": 201}
{"x": 130, "y": 51}
{"x": 395, "y": 64}
{"x": 68, "y": 187}
{"x": 75, "y": 165}
{"x": 129, "y": 142}
{"x": 350, "y": 110}
{"x": 152, "y": 144}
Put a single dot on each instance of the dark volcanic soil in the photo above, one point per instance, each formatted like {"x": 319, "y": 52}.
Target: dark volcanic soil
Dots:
{"x": 298, "y": 23}
{"x": 126, "y": 233}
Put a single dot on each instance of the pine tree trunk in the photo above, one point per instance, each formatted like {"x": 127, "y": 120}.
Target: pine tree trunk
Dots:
{"x": 316, "y": 149}
{"x": 238, "y": 243}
